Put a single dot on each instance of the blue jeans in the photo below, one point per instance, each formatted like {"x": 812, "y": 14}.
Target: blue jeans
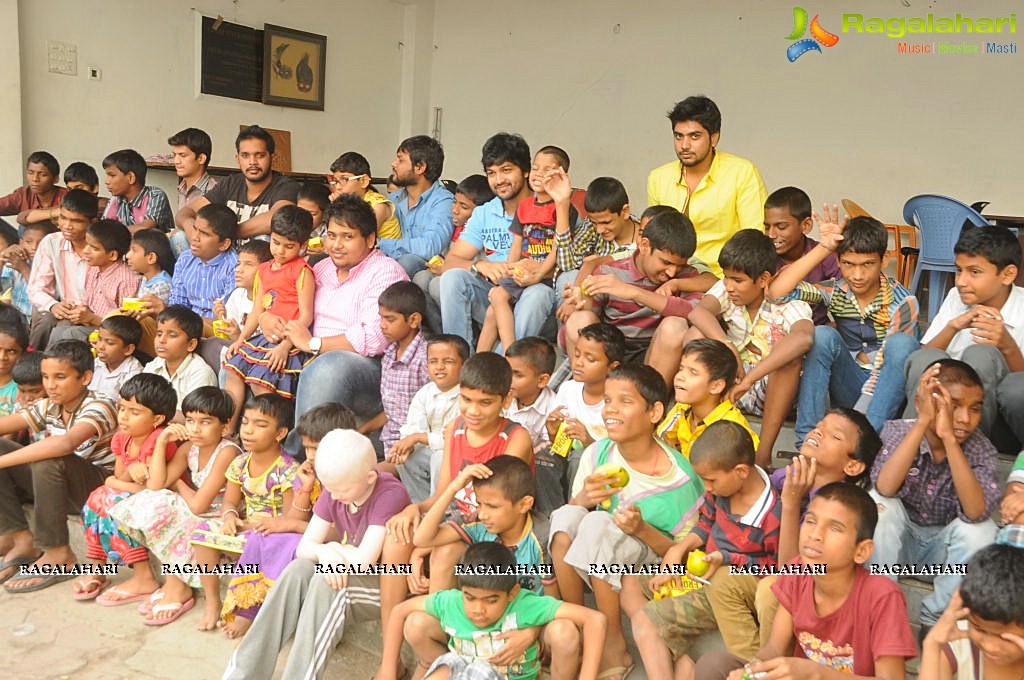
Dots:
{"x": 179, "y": 241}
{"x": 535, "y": 311}
{"x": 412, "y": 263}
{"x": 830, "y": 371}
{"x": 431, "y": 287}
{"x": 463, "y": 300}
{"x": 900, "y": 541}
{"x": 339, "y": 376}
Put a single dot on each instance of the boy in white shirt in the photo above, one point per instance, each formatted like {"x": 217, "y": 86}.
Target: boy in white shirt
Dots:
{"x": 178, "y": 332}
{"x": 419, "y": 452}
{"x": 533, "y": 361}
{"x": 115, "y": 350}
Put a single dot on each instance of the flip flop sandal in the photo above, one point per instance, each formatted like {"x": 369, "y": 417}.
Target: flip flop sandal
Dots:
{"x": 151, "y": 601}
{"x": 83, "y": 595}
{"x": 20, "y": 561}
{"x": 45, "y": 581}
{"x": 175, "y": 608}
{"x": 123, "y": 597}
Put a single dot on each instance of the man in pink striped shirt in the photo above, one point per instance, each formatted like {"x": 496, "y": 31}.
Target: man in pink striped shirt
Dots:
{"x": 346, "y": 341}
{"x": 57, "y": 282}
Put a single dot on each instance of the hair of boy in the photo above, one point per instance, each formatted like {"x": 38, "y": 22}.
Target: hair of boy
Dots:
{"x": 8, "y": 233}
{"x": 993, "y": 588}
{"x": 558, "y": 153}
{"x": 537, "y": 352}
{"x": 124, "y": 327}
{"x": 506, "y": 147}
{"x": 351, "y": 161}
{"x": 672, "y": 232}
{"x": 700, "y": 110}
{"x": 78, "y": 353}
{"x": 610, "y": 337}
{"x": 222, "y": 220}
{"x": 956, "y": 372}
{"x": 796, "y": 202}
{"x": 864, "y": 236}
{"x": 605, "y": 193}
{"x": 344, "y": 454}
{"x": 257, "y": 247}
{"x": 716, "y": 358}
{"x": 15, "y": 331}
{"x": 856, "y": 500}
{"x": 653, "y": 211}
{"x": 475, "y": 188}
{"x": 404, "y": 297}
{"x": 426, "y": 150}
{"x": 81, "y": 172}
{"x": 293, "y": 223}
{"x": 197, "y": 141}
{"x": 351, "y": 211}
{"x": 723, "y": 446}
{"x": 256, "y": 132}
{"x": 152, "y": 391}
{"x": 274, "y": 405}
{"x": 996, "y": 244}
{"x": 315, "y": 423}
{"x": 749, "y": 251}
{"x": 511, "y": 476}
{"x": 488, "y": 565}
{"x": 456, "y": 341}
{"x": 45, "y": 228}
{"x": 81, "y": 202}
{"x": 209, "y": 401}
{"x": 128, "y": 160}
{"x": 488, "y": 372}
{"x": 191, "y": 323}
{"x": 155, "y": 241}
{"x": 9, "y": 314}
{"x": 27, "y": 371}
{"x": 46, "y": 159}
{"x": 316, "y": 193}
{"x": 868, "y": 444}
{"x": 112, "y": 235}
{"x": 641, "y": 376}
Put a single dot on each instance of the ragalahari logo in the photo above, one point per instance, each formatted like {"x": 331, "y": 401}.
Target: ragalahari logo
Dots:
{"x": 819, "y": 35}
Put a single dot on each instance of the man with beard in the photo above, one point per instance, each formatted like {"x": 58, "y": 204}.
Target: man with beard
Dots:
{"x": 254, "y": 195}
{"x": 480, "y": 257}
{"x": 719, "y": 192}
{"x": 423, "y": 205}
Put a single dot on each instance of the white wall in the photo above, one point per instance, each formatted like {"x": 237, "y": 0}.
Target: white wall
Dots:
{"x": 146, "y": 50}
{"x": 858, "y": 121}
{"x": 11, "y": 161}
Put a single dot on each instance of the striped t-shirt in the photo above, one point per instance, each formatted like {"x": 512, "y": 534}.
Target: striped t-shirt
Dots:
{"x": 96, "y": 410}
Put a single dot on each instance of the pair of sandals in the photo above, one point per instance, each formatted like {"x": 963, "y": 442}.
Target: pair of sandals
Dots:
{"x": 151, "y": 607}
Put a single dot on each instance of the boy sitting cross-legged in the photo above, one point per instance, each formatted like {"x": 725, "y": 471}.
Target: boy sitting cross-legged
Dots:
{"x": 769, "y": 338}
{"x": 936, "y": 482}
{"x": 738, "y": 526}
{"x": 314, "y": 595}
{"x": 844, "y": 622}
{"x": 658, "y": 504}
{"x": 859, "y": 363}
{"x": 464, "y": 633}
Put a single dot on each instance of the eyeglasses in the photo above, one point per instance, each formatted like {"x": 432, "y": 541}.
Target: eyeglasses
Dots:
{"x": 334, "y": 181}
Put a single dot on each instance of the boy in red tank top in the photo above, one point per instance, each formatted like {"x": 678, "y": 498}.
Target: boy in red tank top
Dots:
{"x": 479, "y": 434}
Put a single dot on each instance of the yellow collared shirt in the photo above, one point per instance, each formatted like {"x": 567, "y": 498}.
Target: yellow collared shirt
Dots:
{"x": 675, "y": 428}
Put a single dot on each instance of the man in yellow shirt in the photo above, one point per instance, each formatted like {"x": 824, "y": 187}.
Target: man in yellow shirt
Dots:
{"x": 719, "y": 192}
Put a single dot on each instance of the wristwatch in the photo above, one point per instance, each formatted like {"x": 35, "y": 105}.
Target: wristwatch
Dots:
{"x": 315, "y": 344}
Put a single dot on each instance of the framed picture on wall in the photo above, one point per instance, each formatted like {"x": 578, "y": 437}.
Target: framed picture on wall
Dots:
{"x": 293, "y": 67}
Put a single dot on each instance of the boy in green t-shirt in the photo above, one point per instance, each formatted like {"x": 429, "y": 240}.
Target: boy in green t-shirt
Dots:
{"x": 476, "y": 632}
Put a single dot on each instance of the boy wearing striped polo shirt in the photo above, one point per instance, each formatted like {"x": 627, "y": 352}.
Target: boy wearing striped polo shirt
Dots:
{"x": 859, "y": 363}
{"x": 624, "y": 293}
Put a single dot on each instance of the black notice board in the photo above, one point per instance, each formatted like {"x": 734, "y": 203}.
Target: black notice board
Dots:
{"x": 232, "y": 61}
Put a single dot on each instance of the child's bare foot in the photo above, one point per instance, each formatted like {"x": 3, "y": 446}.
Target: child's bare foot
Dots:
{"x": 237, "y": 627}
{"x": 211, "y": 616}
